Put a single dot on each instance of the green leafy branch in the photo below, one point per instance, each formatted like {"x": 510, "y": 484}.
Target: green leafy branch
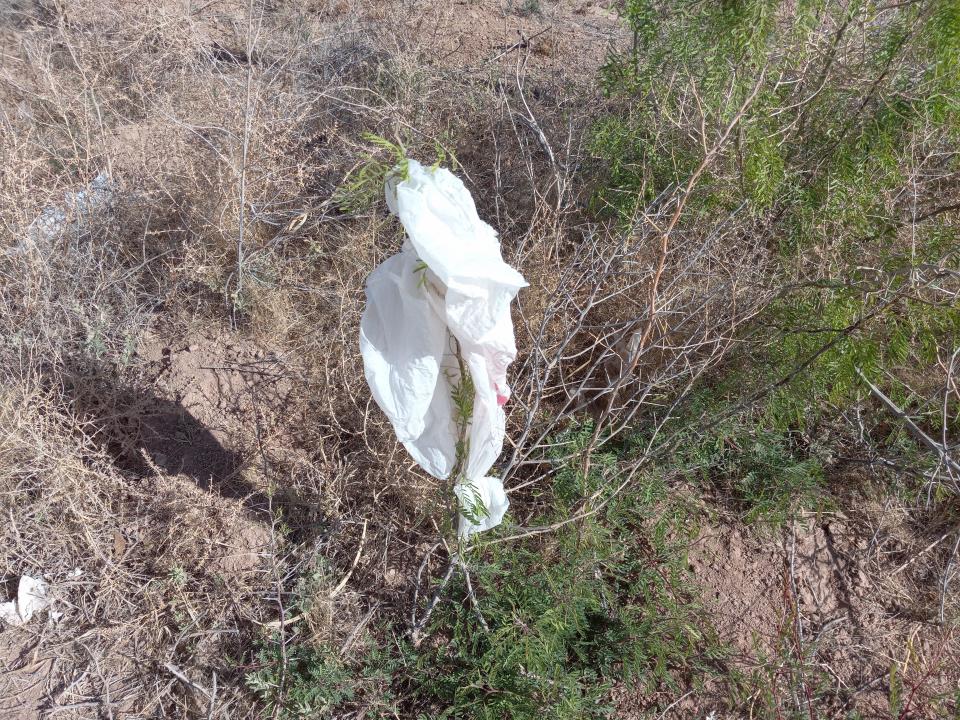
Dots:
{"x": 462, "y": 394}
{"x": 364, "y": 184}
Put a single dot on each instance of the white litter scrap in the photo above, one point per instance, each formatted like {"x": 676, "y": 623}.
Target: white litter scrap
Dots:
{"x": 80, "y": 204}
{"x": 442, "y": 303}
{"x": 31, "y": 599}
{"x": 77, "y": 209}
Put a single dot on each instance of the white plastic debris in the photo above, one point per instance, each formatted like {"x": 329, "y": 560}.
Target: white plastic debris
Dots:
{"x": 447, "y": 292}
{"x": 488, "y": 492}
{"x": 81, "y": 204}
{"x": 77, "y": 209}
{"x": 31, "y": 599}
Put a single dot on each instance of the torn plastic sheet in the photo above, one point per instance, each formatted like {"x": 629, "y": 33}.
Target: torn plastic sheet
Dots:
{"x": 31, "y": 599}
{"x": 442, "y": 301}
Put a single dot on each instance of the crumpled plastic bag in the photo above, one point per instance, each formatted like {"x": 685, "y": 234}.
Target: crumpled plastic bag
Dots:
{"x": 488, "y": 492}
{"x": 447, "y": 292}
{"x": 78, "y": 209}
{"x": 31, "y": 598}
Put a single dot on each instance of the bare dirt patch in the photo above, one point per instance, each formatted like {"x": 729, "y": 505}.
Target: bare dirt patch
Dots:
{"x": 740, "y": 580}
{"x": 811, "y": 596}
{"x": 810, "y": 610}
{"x": 23, "y": 675}
{"x": 205, "y": 416}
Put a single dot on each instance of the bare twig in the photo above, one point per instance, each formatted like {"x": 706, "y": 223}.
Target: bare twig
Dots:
{"x": 948, "y": 573}
{"x": 356, "y": 558}
{"x": 473, "y": 598}
{"x": 419, "y": 625}
{"x": 178, "y": 674}
{"x": 932, "y": 444}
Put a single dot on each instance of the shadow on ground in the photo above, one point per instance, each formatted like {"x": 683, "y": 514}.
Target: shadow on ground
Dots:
{"x": 148, "y": 435}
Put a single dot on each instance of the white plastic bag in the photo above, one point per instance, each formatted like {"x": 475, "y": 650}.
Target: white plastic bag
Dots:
{"x": 488, "y": 492}
{"x": 31, "y": 598}
{"x": 447, "y": 292}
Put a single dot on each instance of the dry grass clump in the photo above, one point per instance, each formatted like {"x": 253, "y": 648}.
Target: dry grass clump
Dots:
{"x": 173, "y": 578}
{"x": 150, "y": 574}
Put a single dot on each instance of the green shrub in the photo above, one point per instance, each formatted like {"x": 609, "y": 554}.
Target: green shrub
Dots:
{"x": 308, "y": 680}
{"x": 854, "y": 104}
{"x": 602, "y": 600}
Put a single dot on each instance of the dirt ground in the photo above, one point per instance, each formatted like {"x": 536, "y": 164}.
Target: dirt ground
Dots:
{"x": 214, "y": 423}
{"x": 821, "y": 590}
